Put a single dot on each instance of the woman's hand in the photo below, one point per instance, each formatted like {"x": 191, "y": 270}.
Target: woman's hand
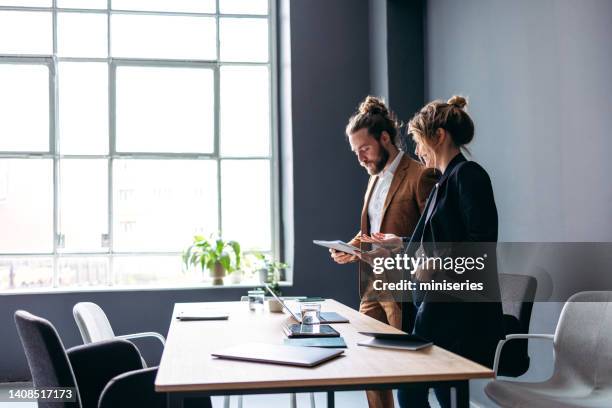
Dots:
{"x": 379, "y": 252}
{"x": 390, "y": 241}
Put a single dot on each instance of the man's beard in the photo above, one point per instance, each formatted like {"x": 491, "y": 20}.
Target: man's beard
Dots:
{"x": 382, "y": 161}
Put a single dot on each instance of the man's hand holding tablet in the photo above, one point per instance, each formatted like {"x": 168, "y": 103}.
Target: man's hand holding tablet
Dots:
{"x": 341, "y": 252}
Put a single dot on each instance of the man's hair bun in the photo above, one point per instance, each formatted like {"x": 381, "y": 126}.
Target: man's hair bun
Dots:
{"x": 373, "y": 106}
{"x": 374, "y": 115}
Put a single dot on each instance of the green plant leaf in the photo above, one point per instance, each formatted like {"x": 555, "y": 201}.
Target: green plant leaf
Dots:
{"x": 220, "y": 246}
{"x": 224, "y": 259}
{"x": 236, "y": 247}
{"x": 186, "y": 255}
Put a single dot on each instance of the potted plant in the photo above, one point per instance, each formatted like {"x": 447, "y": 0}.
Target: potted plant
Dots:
{"x": 269, "y": 272}
{"x": 213, "y": 254}
{"x": 269, "y": 269}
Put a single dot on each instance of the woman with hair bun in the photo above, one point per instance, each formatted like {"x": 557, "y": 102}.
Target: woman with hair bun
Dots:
{"x": 460, "y": 218}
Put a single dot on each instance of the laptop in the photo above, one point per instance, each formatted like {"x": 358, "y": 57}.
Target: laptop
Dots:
{"x": 279, "y": 354}
{"x": 326, "y": 317}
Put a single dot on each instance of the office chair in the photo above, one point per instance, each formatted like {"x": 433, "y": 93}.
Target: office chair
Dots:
{"x": 94, "y": 326}
{"x": 518, "y": 293}
{"x": 107, "y": 374}
{"x": 582, "y": 374}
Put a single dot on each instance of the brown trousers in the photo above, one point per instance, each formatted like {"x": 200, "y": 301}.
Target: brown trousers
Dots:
{"x": 391, "y": 314}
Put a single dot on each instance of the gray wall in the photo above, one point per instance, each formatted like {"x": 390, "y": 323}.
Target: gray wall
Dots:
{"x": 537, "y": 73}
{"x": 330, "y": 75}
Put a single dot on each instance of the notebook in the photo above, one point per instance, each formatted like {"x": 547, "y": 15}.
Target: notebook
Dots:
{"x": 278, "y": 354}
{"x": 202, "y": 315}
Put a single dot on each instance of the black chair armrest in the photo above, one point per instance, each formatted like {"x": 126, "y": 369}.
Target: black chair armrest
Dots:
{"x": 137, "y": 389}
{"x": 95, "y": 364}
{"x": 133, "y": 389}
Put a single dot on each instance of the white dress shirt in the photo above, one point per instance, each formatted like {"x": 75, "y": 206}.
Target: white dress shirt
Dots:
{"x": 379, "y": 194}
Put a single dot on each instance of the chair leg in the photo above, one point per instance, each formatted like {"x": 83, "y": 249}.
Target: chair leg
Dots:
{"x": 312, "y": 400}
{"x": 293, "y": 400}
{"x": 226, "y": 401}
{"x": 240, "y": 401}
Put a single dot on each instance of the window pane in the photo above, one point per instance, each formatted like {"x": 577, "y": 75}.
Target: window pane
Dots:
{"x": 83, "y": 271}
{"x": 82, "y": 4}
{"x": 150, "y": 36}
{"x": 26, "y": 32}
{"x": 245, "y": 111}
{"x": 196, "y": 6}
{"x": 244, "y": 39}
{"x": 26, "y": 3}
{"x": 165, "y": 109}
{"x": 26, "y": 205}
{"x": 83, "y": 204}
{"x": 26, "y": 273}
{"x": 243, "y": 6}
{"x": 152, "y": 271}
{"x": 24, "y": 103}
{"x": 81, "y": 35}
{"x": 245, "y": 200}
{"x": 160, "y": 204}
{"x": 83, "y": 107}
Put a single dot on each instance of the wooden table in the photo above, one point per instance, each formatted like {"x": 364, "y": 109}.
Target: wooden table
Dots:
{"x": 187, "y": 368}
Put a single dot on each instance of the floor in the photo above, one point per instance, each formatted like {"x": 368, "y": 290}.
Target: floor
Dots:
{"x": 352, "y": 399}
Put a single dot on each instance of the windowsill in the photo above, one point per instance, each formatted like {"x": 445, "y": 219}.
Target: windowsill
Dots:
{"x": 132, "y": 288}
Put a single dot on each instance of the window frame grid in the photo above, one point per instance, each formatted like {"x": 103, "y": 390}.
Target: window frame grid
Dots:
{"x": 53, "y": 152}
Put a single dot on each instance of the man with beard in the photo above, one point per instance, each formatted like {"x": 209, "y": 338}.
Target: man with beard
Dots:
{"x": 397, "y": 191}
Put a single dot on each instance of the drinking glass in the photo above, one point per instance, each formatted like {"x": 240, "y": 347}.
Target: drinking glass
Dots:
{"x": 311, "y": 313}
{"x": 256, "y": 299}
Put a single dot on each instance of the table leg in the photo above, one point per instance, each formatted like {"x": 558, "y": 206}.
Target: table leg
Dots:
{"x": 462, "y": 394}
{"x": 174, "y": 400}
{"x": 330, "y": 399}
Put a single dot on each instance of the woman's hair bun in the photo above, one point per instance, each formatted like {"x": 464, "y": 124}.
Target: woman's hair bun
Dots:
{"x": 457, "y": 101}
{"x": 373, "y": 106}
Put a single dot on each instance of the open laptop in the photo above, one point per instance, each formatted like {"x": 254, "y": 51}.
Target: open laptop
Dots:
{"x": 326, "y": 317}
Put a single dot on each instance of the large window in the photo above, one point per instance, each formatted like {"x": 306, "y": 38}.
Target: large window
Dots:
{"x": 127, "y": 127}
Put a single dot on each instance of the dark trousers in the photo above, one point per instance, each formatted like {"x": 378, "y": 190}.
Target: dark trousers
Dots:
{"x": 416, "y": 396}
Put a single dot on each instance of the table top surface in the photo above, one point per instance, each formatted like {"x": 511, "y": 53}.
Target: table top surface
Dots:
{"x": 187, "y": 364}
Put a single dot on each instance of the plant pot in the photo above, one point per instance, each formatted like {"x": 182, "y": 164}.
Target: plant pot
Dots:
{"x": 217, "y": 273}
{"x": 235, "y": 277}
{"x": 263, "y": 276}
{"x": 275, "y": 306}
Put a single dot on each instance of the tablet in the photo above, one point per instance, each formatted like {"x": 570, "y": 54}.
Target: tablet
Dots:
{"x": 338, "y": 246}
{"x": 395, "y": 336}
{"x": 398, "y": 341}
{"x": 310, "y": 330}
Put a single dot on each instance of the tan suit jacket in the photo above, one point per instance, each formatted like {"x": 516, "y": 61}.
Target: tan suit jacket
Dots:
{"x": 405, "y": 201}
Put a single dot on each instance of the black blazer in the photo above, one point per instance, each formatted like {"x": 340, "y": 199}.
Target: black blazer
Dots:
{"x": 459, "y": 218}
